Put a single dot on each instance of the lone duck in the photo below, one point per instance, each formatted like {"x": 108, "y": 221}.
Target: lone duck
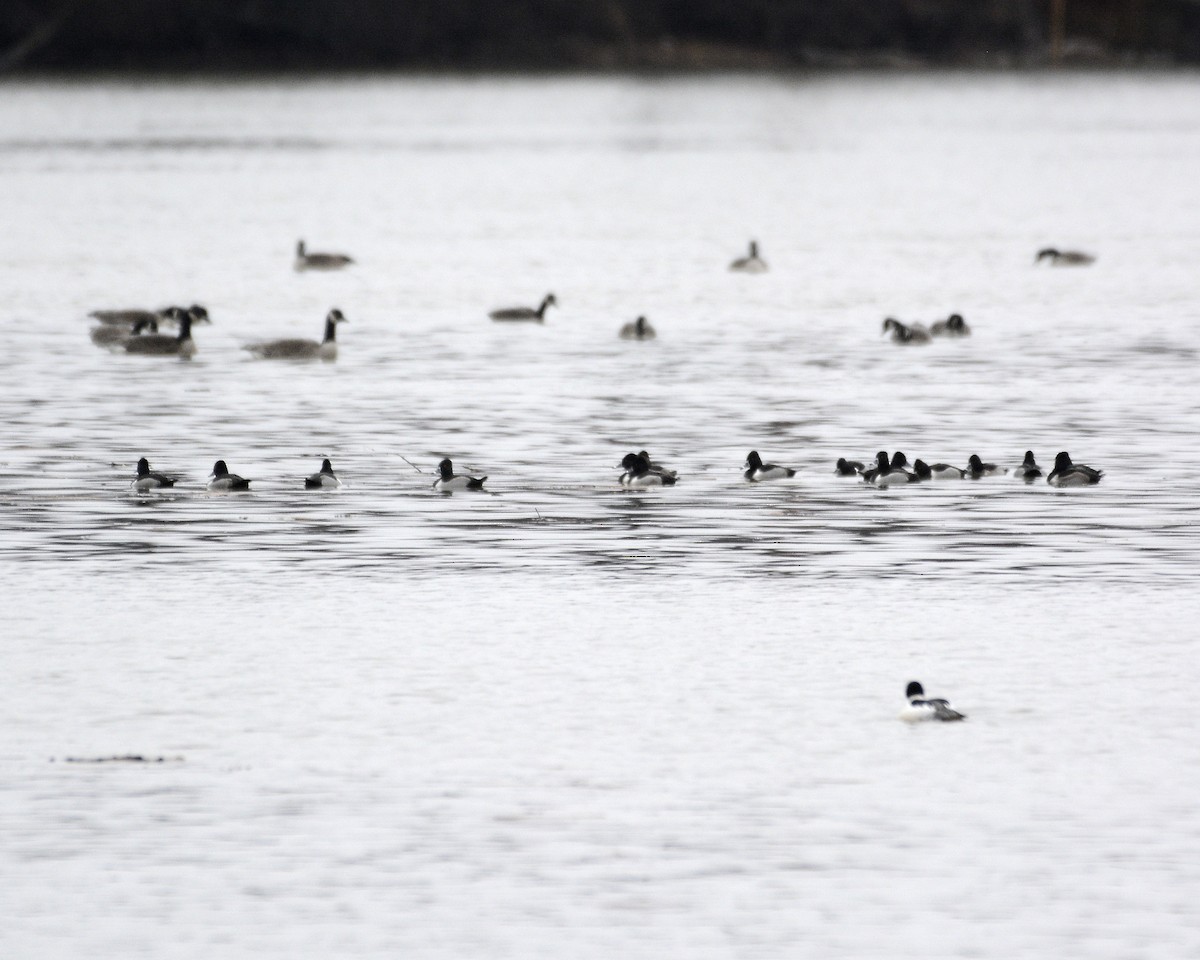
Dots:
{"x": 976, "y": 468}
{"x": 448, "y": 480}
{"x": 751, "y": 263}
{"x": 1065, "y": 258}
{"x": 319, "y": 261}
{"x": 1068, "y": 474}
{"x": 147, "y": 479}
{"x": 159, "y": 344}
{"x": 298, "y": 349}
{"x": 1028, "y": 470}
{"x": 526, "y": 313}
{"x": 757, "y": 471}
{"x": 905, "y": 333}
{"x": 953, "y": 326}
{"x": 324, "y": 478}
{"x": 638, "y": 330}
{"x": 223, "y": 480}
{"x": 919, "y": 709}
{"x": 640, "y": 472}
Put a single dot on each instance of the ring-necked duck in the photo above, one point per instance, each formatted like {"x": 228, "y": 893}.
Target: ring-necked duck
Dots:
{"x": 222, "y": 479}
{"x": 1068, "y": 474}
{"x": 324, "y": 478}
{"x": 448, "y": 480}
{"x": 756, "y": 470}
{"x": 147, "y": 479}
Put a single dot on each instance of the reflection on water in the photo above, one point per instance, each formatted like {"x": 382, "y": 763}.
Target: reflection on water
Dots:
{"x": 645, "y": 723}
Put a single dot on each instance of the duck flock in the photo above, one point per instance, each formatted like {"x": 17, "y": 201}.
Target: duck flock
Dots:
{"x": 136, "y": 331}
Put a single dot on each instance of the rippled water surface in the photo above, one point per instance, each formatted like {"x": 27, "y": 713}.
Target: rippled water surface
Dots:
{"x": 561, "y": 719}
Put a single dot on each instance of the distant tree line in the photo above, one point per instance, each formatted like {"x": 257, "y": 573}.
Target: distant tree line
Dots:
{"x": 590, "y": 34}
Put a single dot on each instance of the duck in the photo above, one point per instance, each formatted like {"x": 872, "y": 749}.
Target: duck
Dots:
{"x": 921, "y": 471}
{"x": 111, "y": 335}
{"x": 1028, "y": 470}
{"x": 298, "y": 349}
{"x": 640, "y": 473}
{"x": 639, "y": 329}
{"x": 881, "y": 468}
{"x": 944, "y": 471}
{"x": 222, "y": 479}
{"x": 752, "y": 263}
{"x": 905, "y": 333}
{"x": 159, "y": 344}
{"x": 1064, "y": 258}
{"x": 147, "y": 479}
{"x": 1068, "y": 474}
{"x": 976, "y": 468}
{"x": 656, "y": 467}
{"x": 847, "y": 468}
{"x": 757, "y": 471}
{"x": 919, "y": 708}
{"x": 526, "y": 313}
{"x": 448, "y": 480}
{"x": 325, "y": 478}
{"x": 897, "y": 471}
{"x": 319, "y": 261}
{"x": 953, "y": 326}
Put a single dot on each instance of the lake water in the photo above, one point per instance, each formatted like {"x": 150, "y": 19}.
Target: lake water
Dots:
{"x": 561, "y": 719}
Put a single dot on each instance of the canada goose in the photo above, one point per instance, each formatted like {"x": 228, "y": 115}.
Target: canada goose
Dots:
{"x": 1068, "y": 474}
{"x": 752, "y": 263}
{"x": 448, "y": 480}
{"x": 638, "y": 330}
{"x": 526, "y": 313}
{"x": 159, "y": 344}
{"x": 1065, "y": 258}
{"x": 319, "y": 261}
{"x": 129, "y": 318}
{"x": 297, "y": 349}
{"x": 953, "y": 326}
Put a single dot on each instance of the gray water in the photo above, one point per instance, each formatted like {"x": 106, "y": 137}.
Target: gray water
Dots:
{"x": 561, "y": 718}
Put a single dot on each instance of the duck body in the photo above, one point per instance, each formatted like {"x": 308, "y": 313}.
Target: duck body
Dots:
{"x": 300, "y": 349}
{"x": 757, "y": 471}
{"x": 1065, "y": 258}
{"x": 953, "y": 326}
{"x": 1068, "y": 474}
{"x": 976, "y": 468}
{"x": 1028, "y": 470}
{"x": 920, "y": 709}
{"x": 638, "y": 330}
{"x": 323, "y": 478}
{"x": 656, "y": 467}
{"x": 908, "y": 334}
{"x": 449, "y": 481}
{"x": 319, "y": 261}
{"x": 161, "y": 345}
{"x": 640, "y": 473}
{"x": 147, "y": 479}
{"x": 528, "y": 314}
{"x": 944, "y": 471}
{"x": 847, "y": 468}
{"x": 223, "y": 481}
{"x": 751, "y": 263}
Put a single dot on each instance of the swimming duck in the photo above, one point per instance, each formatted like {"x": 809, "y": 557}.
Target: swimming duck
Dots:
{"x": 1028, "y": 470}
{"x": 526, "y": 313}
{"x": 1064, "y": 258}
{"x": 639, "y": 472}
{"x": 325, "y": 478}
{"x": 752, "y": 263}
{"x": 881, "y": 468}
{"x": 222, "y": 479}
{"x": 757, "y": 470}
{"x": 921, "y": 470}
{"x": 111, "y": 335}
{"x": 905, "y": 333}
{"x": 1068, "y": 474}
{"x": 976, "y": 468}
{"x": 449, "y": 481}
{"x": 656, "y": 467}
{"x": 147, "y": 479}
{"x": 944, "y": 471}
{"x": 298, "y": 349}
{"x": 638, "y": 330}
{"x": 848, "y": 468}
{"x": 319, "y": 261}
{"x": 953, "y": 326}
{"x": 897, "y": 471}
{"x": 919, "y": 708}
{"x": 159, "y": 344}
